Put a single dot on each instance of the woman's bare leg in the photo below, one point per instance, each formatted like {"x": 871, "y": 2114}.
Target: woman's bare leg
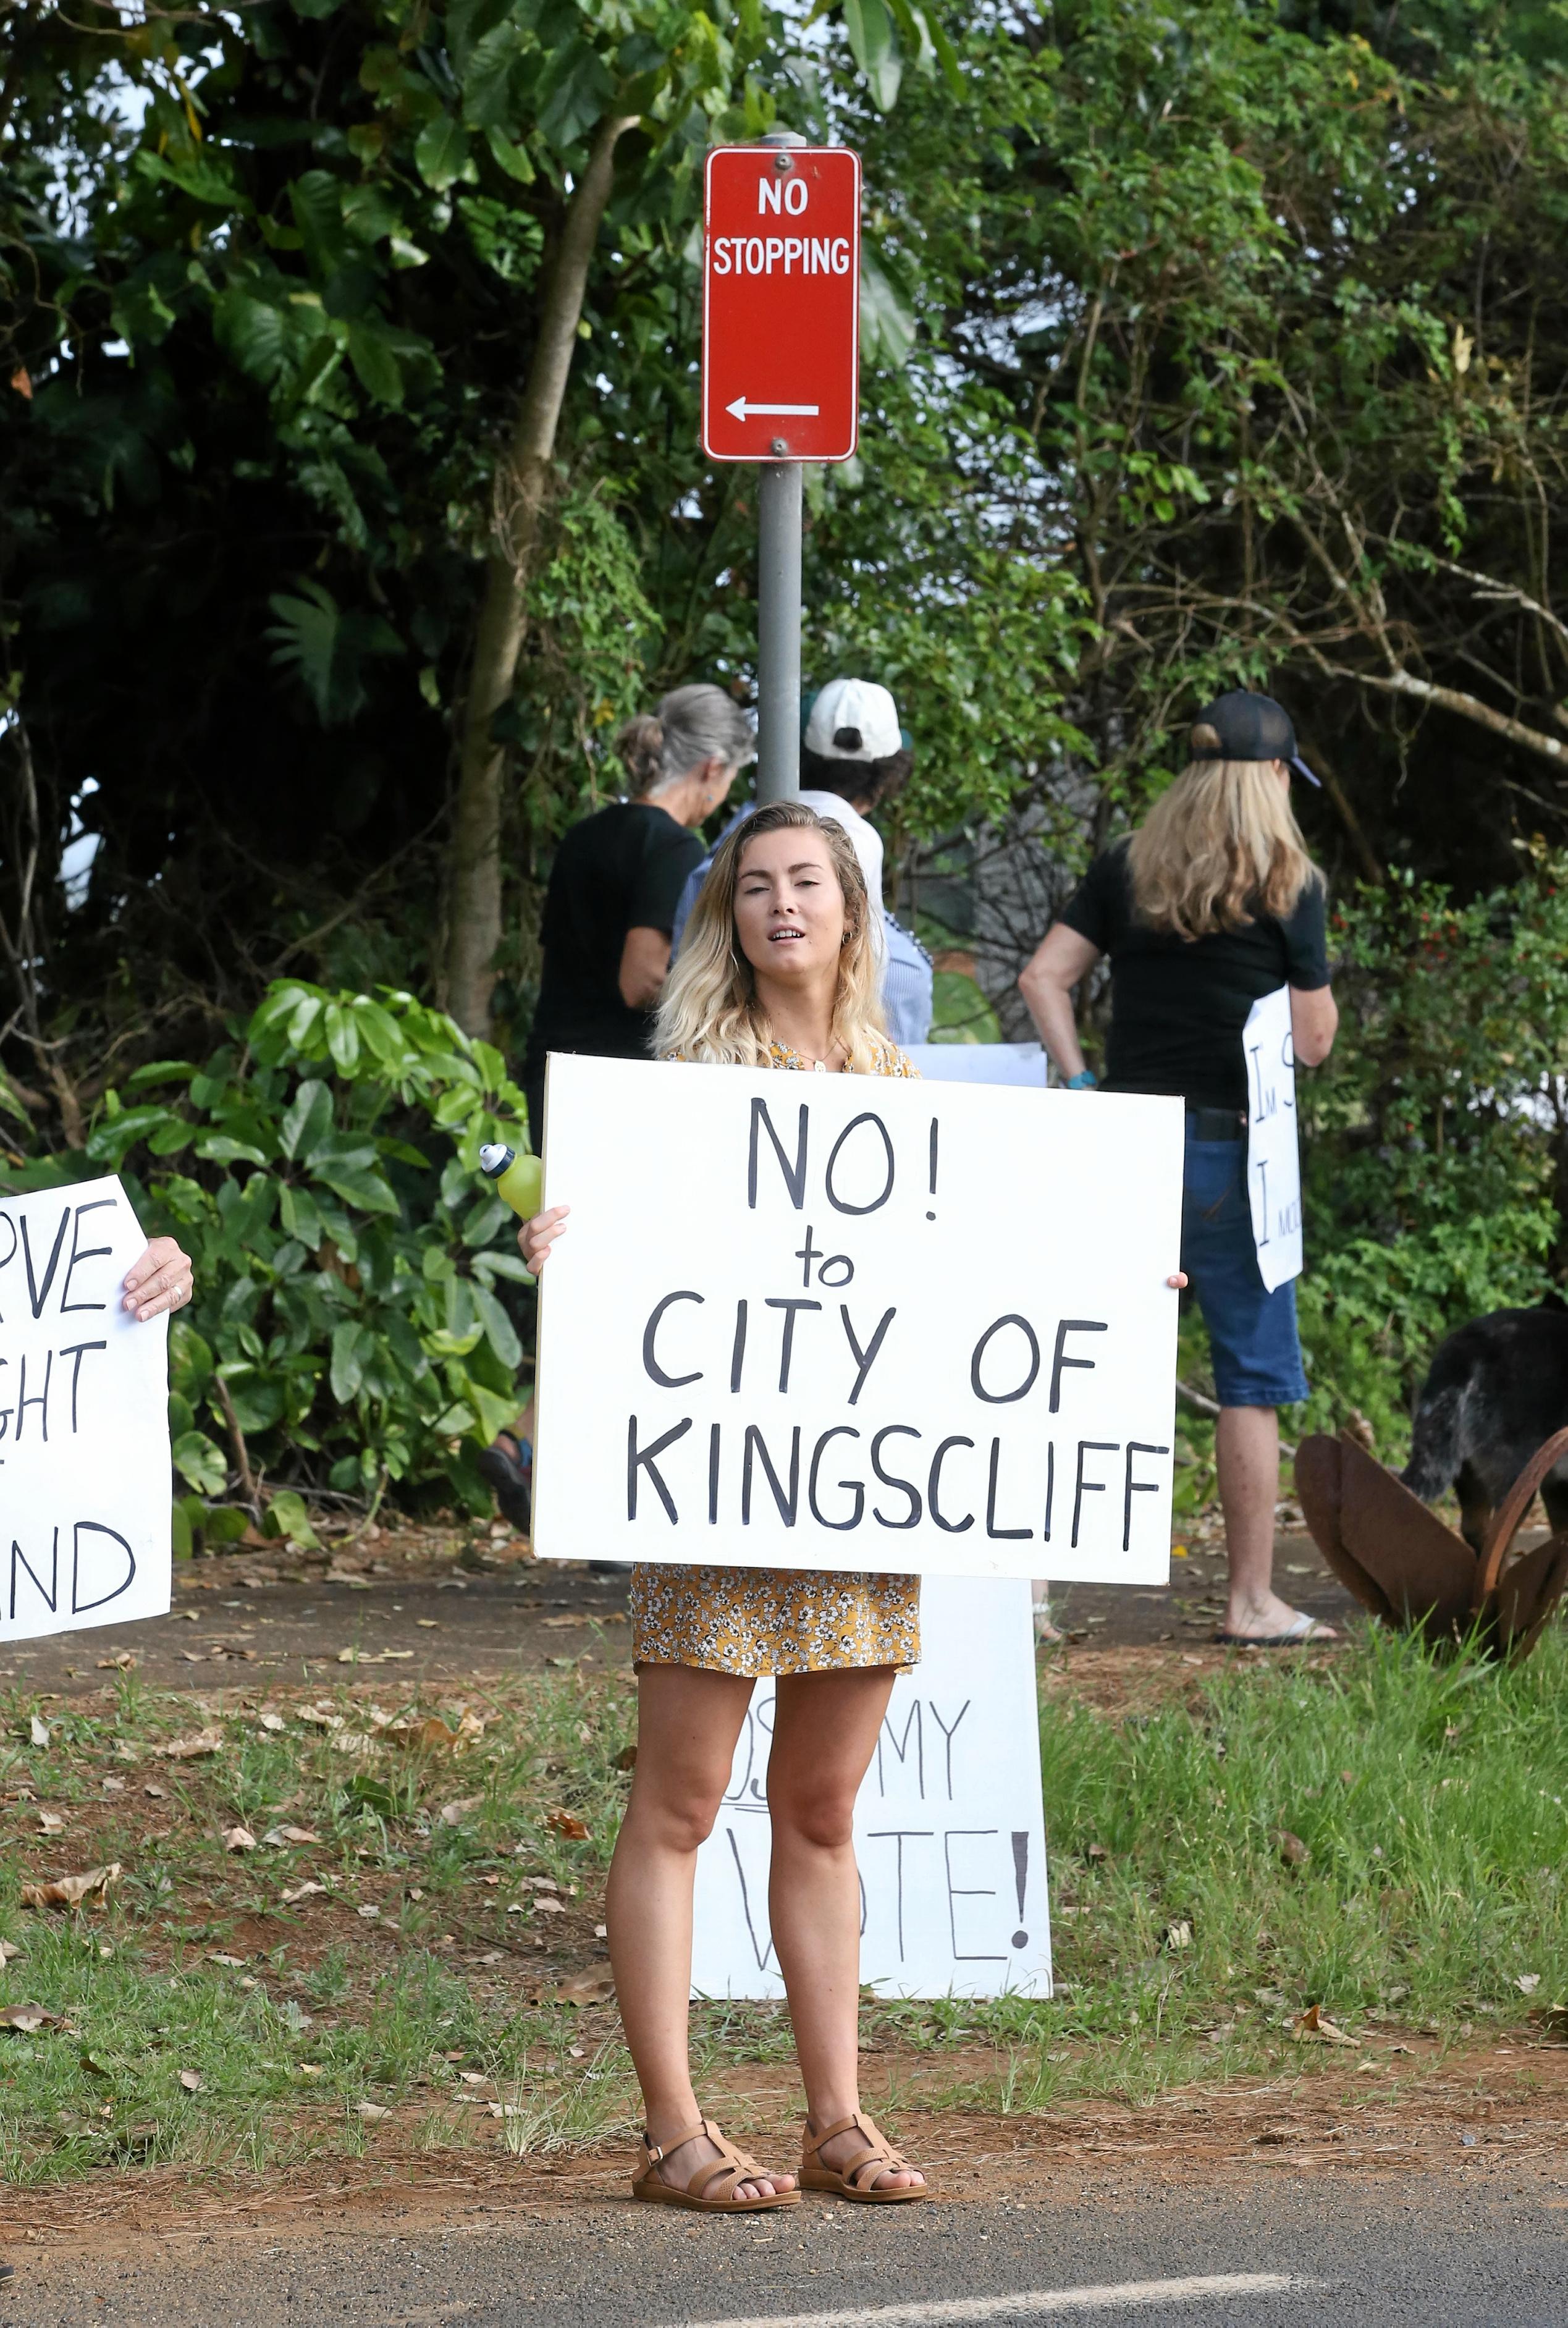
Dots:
{"x": 825, "y": 1727}
{"x": 687, "y": 1724}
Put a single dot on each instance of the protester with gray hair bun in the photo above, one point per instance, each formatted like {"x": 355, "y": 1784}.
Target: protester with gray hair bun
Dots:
{"x": 608, "y": 913}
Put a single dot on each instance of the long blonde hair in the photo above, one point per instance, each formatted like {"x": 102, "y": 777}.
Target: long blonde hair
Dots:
{"x": 710, "y": 1011}
{"x": 1222, "y": 844}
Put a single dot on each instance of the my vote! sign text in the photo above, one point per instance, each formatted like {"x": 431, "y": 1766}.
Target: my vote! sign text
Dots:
{"x": 950, "y": 1837}
{"x": 853, "y": 1322}
{"x": 780, "y": 304}
{"x": 84, "y": 1418}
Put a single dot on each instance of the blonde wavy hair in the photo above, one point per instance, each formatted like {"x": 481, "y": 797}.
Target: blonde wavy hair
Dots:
{"x": 710, "y": 1011}
{"x": 1221, "y": 845}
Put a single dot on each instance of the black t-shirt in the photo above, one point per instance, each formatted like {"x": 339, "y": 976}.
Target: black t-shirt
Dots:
{"x": 1178, "y": 1005}
{"x": 623, "y": 868}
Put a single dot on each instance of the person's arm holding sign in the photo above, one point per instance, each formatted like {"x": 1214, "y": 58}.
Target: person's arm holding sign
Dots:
{"x": 159, "y": 1282}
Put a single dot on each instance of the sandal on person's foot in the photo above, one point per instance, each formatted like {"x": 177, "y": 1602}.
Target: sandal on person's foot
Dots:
{"x": 711, "y": 2190}
{"x": 855, "y": 2179}
{"x": 1295, "y": 1637}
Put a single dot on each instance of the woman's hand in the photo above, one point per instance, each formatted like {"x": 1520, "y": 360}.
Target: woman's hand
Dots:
{"x": 535, "y": 1237}
{"x": 1179, "y": 1281}
{"x": 160, "y": 1281}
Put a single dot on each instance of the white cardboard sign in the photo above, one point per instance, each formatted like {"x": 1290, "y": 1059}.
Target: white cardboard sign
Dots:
{"x": 835, "y": 1322}
{"x": 1273, "y": 1159}
{"x": 949, "y": 1828}
{"x": 84, "y": 1419}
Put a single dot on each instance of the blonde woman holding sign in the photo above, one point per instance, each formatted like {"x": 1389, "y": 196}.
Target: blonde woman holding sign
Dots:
{"x": 1211, "y": 904}
{"x": 777, "y": 969}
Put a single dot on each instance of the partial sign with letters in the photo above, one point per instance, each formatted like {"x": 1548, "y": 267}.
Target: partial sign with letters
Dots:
{"x": 780, "y": 304}
{"x": 823, "y": 1321}
{"x": 949, "y": 1828}
{"x": 1273, "y": 1156}
{"x": 84, "y": 1418}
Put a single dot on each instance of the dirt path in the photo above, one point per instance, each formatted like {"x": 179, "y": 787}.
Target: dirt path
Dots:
{"x": 433, "y": 1609}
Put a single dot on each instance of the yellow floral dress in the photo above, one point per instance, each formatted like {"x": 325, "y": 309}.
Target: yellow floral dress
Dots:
{"x": 777, "y": 1620}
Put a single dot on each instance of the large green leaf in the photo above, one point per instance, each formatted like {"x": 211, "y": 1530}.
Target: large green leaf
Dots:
{"x": 199, "y": 1463}
{"x": 876, "y": 52}
{"x": 307, "y": 1119}
{"x": 252, "y": 332}
{"x": 573, "y": 89}
{"x": 376, "y": 367}
{"x": 886, "y": 311}
{"x": 441, "y": 154}
{"x": 365, "y": 1190}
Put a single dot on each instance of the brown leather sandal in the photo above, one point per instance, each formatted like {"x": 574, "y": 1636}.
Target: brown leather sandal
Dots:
{"x": 726, "y": 2172}
{"x": 856, "y": 2178}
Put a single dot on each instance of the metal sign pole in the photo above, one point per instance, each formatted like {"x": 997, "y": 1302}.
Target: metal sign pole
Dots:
{"x": 778, "y": 630}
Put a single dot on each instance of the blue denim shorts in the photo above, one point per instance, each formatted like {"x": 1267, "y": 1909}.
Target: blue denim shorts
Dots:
{"x": 1251, "y": 1332}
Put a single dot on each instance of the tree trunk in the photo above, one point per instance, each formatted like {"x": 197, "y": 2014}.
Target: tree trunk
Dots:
{"x": 521, "y": 476}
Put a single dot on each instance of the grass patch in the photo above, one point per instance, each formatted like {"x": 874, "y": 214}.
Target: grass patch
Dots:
{"x": 458, "y": 1900}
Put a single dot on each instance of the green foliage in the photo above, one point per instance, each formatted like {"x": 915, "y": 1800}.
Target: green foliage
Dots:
{"x": 355, "y": 1315}
{"x": 1436, "y": 1136}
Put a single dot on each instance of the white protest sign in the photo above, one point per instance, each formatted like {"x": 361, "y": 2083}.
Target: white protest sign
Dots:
{"x": 949, "y": 1829}
{"x": 84, "y": 1419}
{"x": 979, "y": 1063}
{"x": 1274, "y": 1160}
{"x": 832, "y": 1322}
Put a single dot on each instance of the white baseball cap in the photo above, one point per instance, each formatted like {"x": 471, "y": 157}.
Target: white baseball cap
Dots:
{"x": 854, "y": 719}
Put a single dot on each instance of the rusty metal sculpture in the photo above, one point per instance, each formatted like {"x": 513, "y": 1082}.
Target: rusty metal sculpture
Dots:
{"x": 1400, "y": 1562}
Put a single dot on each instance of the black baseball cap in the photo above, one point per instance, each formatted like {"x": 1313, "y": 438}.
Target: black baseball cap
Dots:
{"x": 1251, "y": 728}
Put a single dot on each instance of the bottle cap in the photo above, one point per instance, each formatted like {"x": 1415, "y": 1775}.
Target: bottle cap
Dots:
{"x": 494, "y": 1157}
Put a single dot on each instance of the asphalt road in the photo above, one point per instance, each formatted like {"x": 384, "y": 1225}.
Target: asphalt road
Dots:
{"x": 1432, "y": 2251}
{"x": 232, "y": 1625}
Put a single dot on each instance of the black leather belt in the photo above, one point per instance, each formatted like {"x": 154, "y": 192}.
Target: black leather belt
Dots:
{"x": 1216, "y": 1123}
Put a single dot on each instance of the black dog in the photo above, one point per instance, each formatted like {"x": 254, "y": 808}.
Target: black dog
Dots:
{"x": 1496, "y": 1391}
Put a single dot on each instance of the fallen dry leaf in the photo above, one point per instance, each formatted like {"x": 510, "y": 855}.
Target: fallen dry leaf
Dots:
{"x": 1290, "y": 1848}
{"x": 192, "y": 1749}
{"x": 278, "y": 1835}
{"x": 369, "y": 1911}
{"x": 273, "y": 1722}
{"x": 371, "y": 2111}
{"x": 567, "y": 1824}
{"x": 351, "y": 1742}
{"x": 27, "y": 2018}
{"x": 1175, "y": 1936}
{"x": 545, "y": 1906}
{"x": 454, "y": 1814}
{"x": 158, "y": 1794}
{"x": 1528, "y": 1983}
{"x": 373, "y": 1656}
{"x": 39, "y": 1731}
{"x": 560, "y": 1624}
{"x": 122, "y": 1661}
{"x": 320, "y": 1717}
{"x": 192, "y": 2080}
{"x": 239, "y": 1838}
{"x": 583, "y": 1988}
{"x": 1314, "y": 2027}
{"x": 51, "y": 1823}
{"x": 302, "y": 1892}
{"x": 72, "y": 1890}
{"x": 8, "y": 1948}
{"x": 214, "y": 1956}
{"x": 430, "y": 1736}
{"x": 429, "y": 1624}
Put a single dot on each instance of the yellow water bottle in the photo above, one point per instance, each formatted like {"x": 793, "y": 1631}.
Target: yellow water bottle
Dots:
{"x": 518, "y": 1180}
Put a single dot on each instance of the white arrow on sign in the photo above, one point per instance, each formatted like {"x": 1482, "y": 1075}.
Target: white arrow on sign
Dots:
{"x": 741, "y": 410}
